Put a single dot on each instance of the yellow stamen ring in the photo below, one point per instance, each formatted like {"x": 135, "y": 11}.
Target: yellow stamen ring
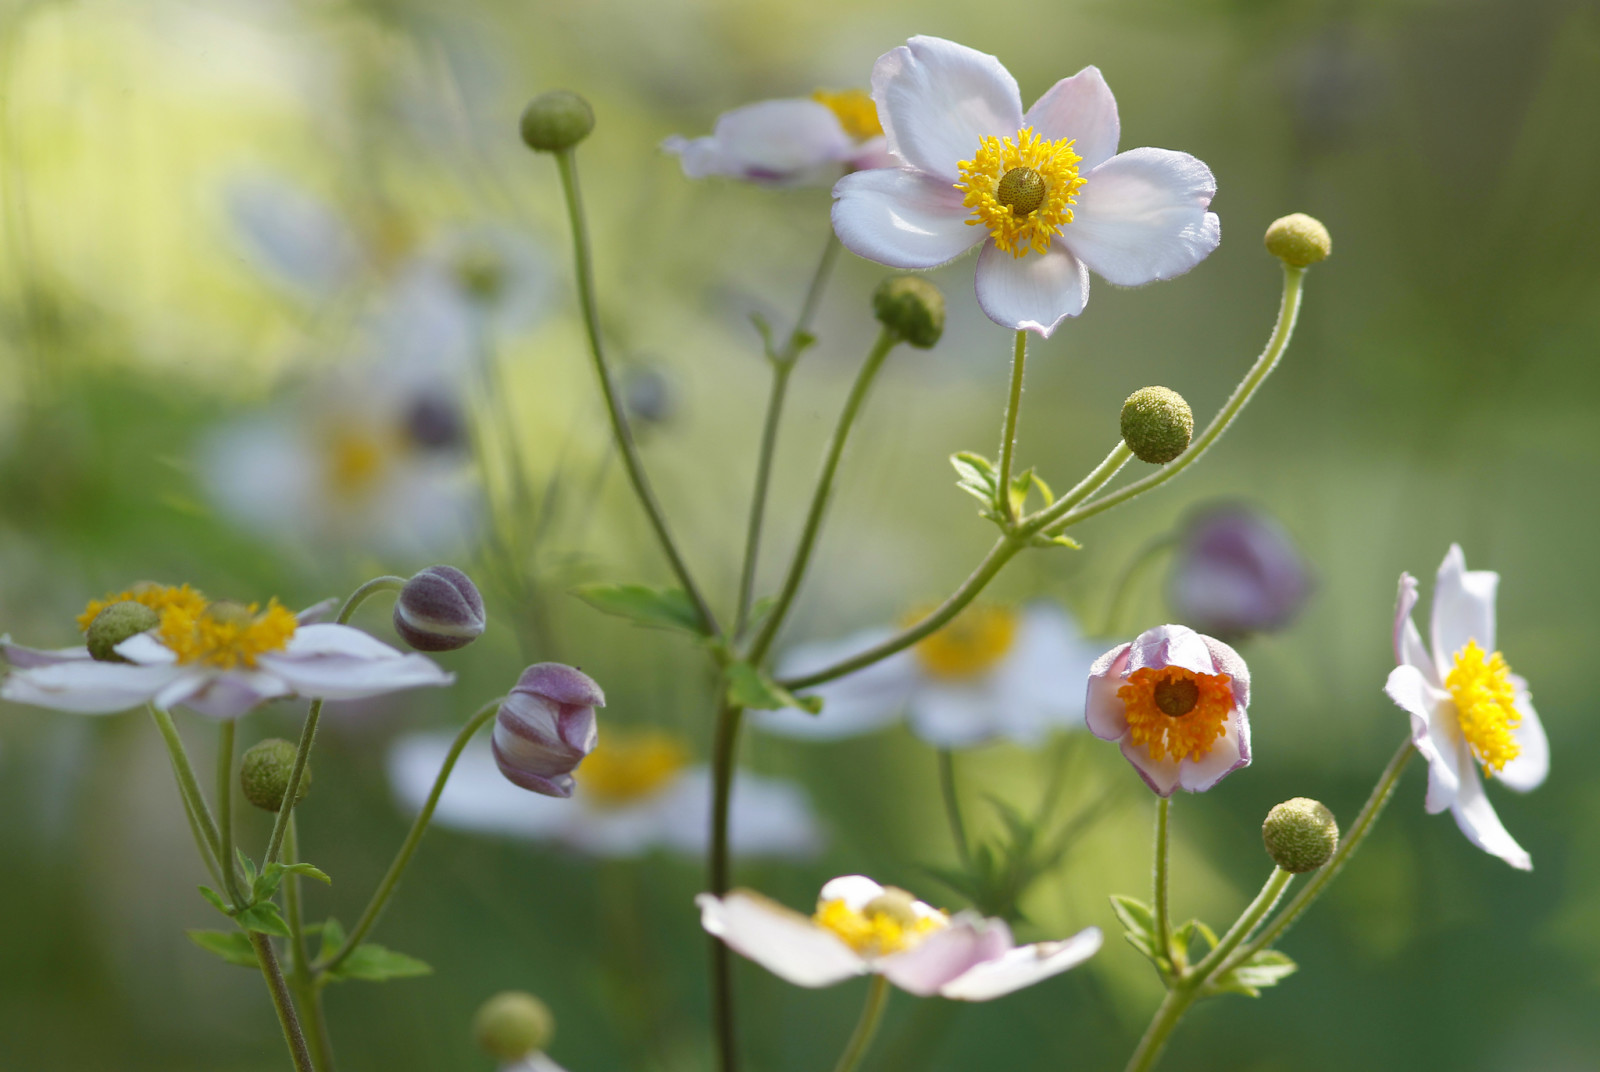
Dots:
{"x": 856, "y": 111}
{"x": 1176, "y": 712}
{"x": 226, "y": 635}
{"x": 1021, "y": 189}
{"x": 972, "y": 643}
{"x": 1485, "y": 705}
{"x": 158, "y": 597}
{"x": 625, "y": 767}
{"x": 886, "y": 924}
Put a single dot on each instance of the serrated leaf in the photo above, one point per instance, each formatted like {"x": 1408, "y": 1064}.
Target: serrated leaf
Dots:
{"x": 264, "y": 917}
{"x": 749, "y": 687}
{"x": 974, "y": 468}
{"x": 232, "y": 946}
{"x": 332, "y": 939}
{"x": 653, "y": 608}
{"x": 374, "y": 963}
{"x": 266, "y": 884}
{"x": 309, "y": 871}
{"x": 216, "y": 900}
{"x": 1136, "y": 916}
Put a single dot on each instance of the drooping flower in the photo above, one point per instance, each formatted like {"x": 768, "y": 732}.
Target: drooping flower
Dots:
{"x": 546, "y": 728}
{"x": 1236, "y": 572}
{"x": 1044, "y": 192}
{"x": 1176, "y": 701}
{"x": 1468, "y": 710}
{"x": 789, "y": 142}
{"x": 992, "y": 673}
{"x": 860, "y": 927}
{"x": 221, "y": 659}
{"x": 635, "y": 792}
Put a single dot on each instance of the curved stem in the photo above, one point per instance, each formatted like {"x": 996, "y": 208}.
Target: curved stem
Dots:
{"x": 724, "y": 751}
{"x": 758, "y": 499}
{"x": 267, "y": 957}
{"x": 225, "y": 742}
{"x": 952, "y": 807}
{"x": 194, "y": 802}
{"x": 566, "y": 163}
{"x": 1163, "y": 920}
{"x": 866, "y": 1027}
{"x": 419, "y": 826}
{"x": 1264, "y": 901}
{"x": 1008, "y": 434}
{"x": 819, "y": 498}
{"x": 389, "y": 583}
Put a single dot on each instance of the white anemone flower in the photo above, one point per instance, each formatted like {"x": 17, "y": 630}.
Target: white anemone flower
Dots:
{"x": 862, "y": 928}
{"x": 633, "y": 793}
{"x": 1044, "y": 192}
{"x": 790, "y": 142}
{"x": 220, "y": 659}
{"x": 1467, "y": 708}
{"x": 993, "y": 673}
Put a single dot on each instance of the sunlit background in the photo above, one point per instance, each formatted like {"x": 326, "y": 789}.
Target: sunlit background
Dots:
{"x": 273, "y": 276}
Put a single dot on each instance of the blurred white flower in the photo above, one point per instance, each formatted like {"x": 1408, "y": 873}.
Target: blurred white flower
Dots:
{"x": 635, "y": 792}
{"x": 789, "y": 142}
{"x": 291, "y": 236}
{"x": 993, "y": 672}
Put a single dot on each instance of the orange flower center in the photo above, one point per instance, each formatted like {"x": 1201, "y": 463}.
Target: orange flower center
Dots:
{"x": 1176, "y": 712}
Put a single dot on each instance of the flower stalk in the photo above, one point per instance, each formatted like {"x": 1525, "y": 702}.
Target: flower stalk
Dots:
{"x": 867, "y": 1027}
{"x": 1008, "y": 436}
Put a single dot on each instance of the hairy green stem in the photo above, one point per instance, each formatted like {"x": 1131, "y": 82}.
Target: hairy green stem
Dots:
{"x": 307, "y": 991}
{"x": 225, "y": 744}
{"x": 1271, "y": 891}
{"x": 1008, "y": 434}
{"x": 758, "y": 498}
{"x": 867, "y": 1026}
{"x": 1163, "y": 919}
{"x": 194, "y": 802}
{"x": 267, "y": 957}
{"x": 1168, "y": 1013}
{"x": 724, "y": 752}
{"x": 952, "y": 807}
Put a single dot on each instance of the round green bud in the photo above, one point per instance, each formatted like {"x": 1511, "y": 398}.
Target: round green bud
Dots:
{"x": 513, "y": 1024}
{"x": 1300, "y": 835}
{"x": 1298, "y": 240}
{"x": 264, "y": 773}
{"x": 1156, "y": 424}
{"x": 556, "y": 120}
{"x": 115, "y": 624}
{"x": 910, "y": 308}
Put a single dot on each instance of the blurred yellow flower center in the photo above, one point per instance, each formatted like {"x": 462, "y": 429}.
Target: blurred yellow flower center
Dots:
{"x": 886, "y": 924}
{"x": 354, "y": 460}
{"x": 1485, "y": 705}
{"x": 971, "y": 644}
{"x": 1021, "y": 189}
{"x": 857, "y": 112}
{"x": 1176, "y": 712}
{"x": 158, "y": 597}
{"x": 624, "y": 767}
{"x": 226, "y": 635}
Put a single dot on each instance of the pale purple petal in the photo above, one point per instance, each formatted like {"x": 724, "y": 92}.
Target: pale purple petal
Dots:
{"x": 1161, "y": 775}
{"x": 230, "y": 695}
{"x": 898, "y": 217}
{"x": 25, "y": 658}
{"x": 1105, "y": 713}
{"x": 945, "y": 954}
{"x": 783, "y": 941}
{"x": 937, "y": 99}
{"x": 87, "y": 687}
{"x": 1227, "y": 661}
{"x": 1477, "y": 819}
{"x": 1081, "y": 108}
{"x": 146, "y": 650}
{"x": 1430, "y": 711}
{"x": 343, "y": 678}
{"x": 329, "y": 639}
{"x": 873, "y": 153}
{"x": 1532, "y": 764}
{"x": 775, "y": 142}
{"x": 1228, "y": 753}
{"x": 1463, "y": 608}
{"x": 1141, "y": 216}
{"x": 1171, "y": 645}
{"x": 1022, "y": 966}
{"x": 1034, "y": 292}
{"x": 1408, "y": 646}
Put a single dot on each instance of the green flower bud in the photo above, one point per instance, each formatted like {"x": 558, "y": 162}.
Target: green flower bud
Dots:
{"x": 1156, "y": 424}
{"x": 513, "y": 1024}
{"x": 1298, "y": 240}
{"x": 115, "y": 624}
{"x": 910, "y": 308}
{"x": 1300, "y": 835}
{"x": 264, "y": 773}
{"x": 556, "y": 120}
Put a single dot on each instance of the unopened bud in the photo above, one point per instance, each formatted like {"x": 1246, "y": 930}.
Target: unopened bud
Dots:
{"x": 439, "y": 609}
{"x": 1298, "y": 240}
{"x": 647, "y": 393}
{"x": 546, "y": 727}
{"x": 1156, "y": 424}
{"x": 264, "y": 773}
{"x": 513, "y": 1024}
{"x": 556, "y": 120}
{"x": 910, "y": 308}
{"x": 1300, "y": 835}
{"x": 117, "y": 623}
{"x": 1236, "y": 572}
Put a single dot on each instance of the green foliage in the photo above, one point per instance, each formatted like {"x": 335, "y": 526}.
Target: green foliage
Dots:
{"x": 1263, "y": 969}
{"x": 653, "y": 608}
{"x": 232, "y": 946}
{"x": 375, "y": 964}
{"x": 753, "y": 688}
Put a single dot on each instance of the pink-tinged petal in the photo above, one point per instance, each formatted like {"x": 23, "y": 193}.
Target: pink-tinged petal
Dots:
{"x": 329, "y": 639}
{"x": 898, "y": 217}
{"x": 1408, "y": 646}
{"x": 937, "y": 99}
{"x": 566, "y": 685}
{"x": 1532, "y": 764}
{"x": 1228, "y": 753}
{"x": 1105, "y": 713}
{"x": 26, "y": 658}
{"x": 87, "y": 687}
{"x": 1463, "y": 608}
{"x": 230, "y": 695}
{"x": 146, "y": 650}
{"x": 1034, "y": 292}
{"x": 1430, "y": 710}
{"x": 945, "y": 954}
{"x": 1171, "y": 645}
{"x": 316, "y": 612}
{"x": 1081, "y": 108}
{"x": 1141, "y": 216}
{"x": 1161, "y": 775}
{"x": 863, "y": 702}
{"x": 775, "y": 142}
{"x": 871, "y": 154}
{"x": 1022, "y": 967}
{"x": 783, "y": 941}
{"x": 854, "y": 890}
{"x": 1477, "y": 819}
{"x": 1227, "y": 661}
{"x": 334, "y": 678}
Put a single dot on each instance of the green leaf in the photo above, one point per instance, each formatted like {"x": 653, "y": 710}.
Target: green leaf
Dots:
{"x": 266, "y": 884}
{"x": 247, "y": 866}
{"x": 653, "y": 608}
{"x": 974, "y": 469}
{"x": 1044, "y": 489}
{"x": 309, "y": 871}
{"x": 332, "y": 939}
{"x": 264, "y": 917}
{"x": 232, "y": 946}
{"x": 1138, "y": 921}
{"x": 1266, "y": 968}
{"x": 764, "y": 329}
{"x": 375, "y": 964}
{"x": 216, "y": 900}
{"x": 1057, "y": 540}
{"x": 749, "y": 687}
{"x": 1185, "y": 935}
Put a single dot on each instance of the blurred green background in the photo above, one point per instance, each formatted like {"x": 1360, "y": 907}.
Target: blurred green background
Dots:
{"x": 1441, "y": 387}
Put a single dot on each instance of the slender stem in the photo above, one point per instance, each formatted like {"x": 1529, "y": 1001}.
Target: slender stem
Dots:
{"x": 758, "y": 499}
{"x": 1163, "y": 921}
{"x": 388, "y": 583}
{"x": 1171, "y": 1010}
{"x": 225, "y": 741}
{"x": 291, "y": 792}
{"x": 952, "y": 806}
{"x": 1008, "y": 436}
{"x": 819, "y": 499}
{"x": 567, "y": 164}
{"x": 267, "y": 957}
{"x": 724, "y": 752}
{"x": 306, "y": 990}
{"x": 1264, "y": 902}
{"x": 866, "y": 1027}
{"x": 200, "y": 825}
{"x": 419, "y": 826}
{"x": 808, "y": 308}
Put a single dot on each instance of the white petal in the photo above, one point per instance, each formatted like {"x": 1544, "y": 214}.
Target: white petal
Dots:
{"x": 146, "y": 650}
{"x": 87, "y": 687}
{"x": 230, "y": 695}
{"x": 1105, "y": 713}
{"x": 901, "y": 218}
{"x": 329, "y": 639}
{"x": 958, "y": 714}
{"x": 476, "y": 797}
{"x": 1408, "y": 647}
{"x": 1040, "y": 682}
{"x": 1430, "y": 711}
{"x": 1228, "y": 753}
{"x": 937, "y": 99}
{"x": 1081, "y": 108}
{"x": 23, "y": 658}
{"x": 1171, "y": 645}
{"x": 775, "y": 142}
{"x": 854, "y": 890}
{"x": 858, "y": 703}
{"x": 1161, "y": 775}
{"x": 945, "y": 954}
{"x": 1141, "y": 216}
{"x": 1463, "y": 608}
{"x": 781, "y": 940}
{"x": 1477, "y": 819}
{"x": 767, "y": 817}
{"x": 1034, "y": 292}
{"x": 1532, "y": 764}
{"x": 1022, "y": 967}
{"x": 347, "y": 678}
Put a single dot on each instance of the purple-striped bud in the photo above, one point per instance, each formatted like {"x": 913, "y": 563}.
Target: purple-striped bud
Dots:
{"x": 1237, "y": 572}
{"x": 545, "y": 727}
{"x": 439, "y": 609}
